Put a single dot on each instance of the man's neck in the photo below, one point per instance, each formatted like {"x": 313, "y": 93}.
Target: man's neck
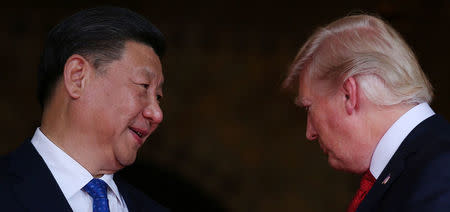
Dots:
{"x": 61, "y": 128}
{"x": 384, "y": 117}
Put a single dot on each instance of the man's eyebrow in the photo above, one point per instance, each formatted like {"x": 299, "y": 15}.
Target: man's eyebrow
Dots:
{"x": 298, "y": 101}
{"x": 160, "y": 86}
{"x": 150, "y": 75}
{"x": 301, "y": 101}
{"x": 147, "y": 72}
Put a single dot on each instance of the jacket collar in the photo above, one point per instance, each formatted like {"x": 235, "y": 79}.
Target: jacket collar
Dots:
{"x": 33, "y": 184}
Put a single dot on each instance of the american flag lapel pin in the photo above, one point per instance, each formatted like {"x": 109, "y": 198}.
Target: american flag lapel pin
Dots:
{"x": 386, "y": 179}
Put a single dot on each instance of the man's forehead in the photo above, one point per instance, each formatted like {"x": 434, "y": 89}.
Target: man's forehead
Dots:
{"x": 147, "y": 72}
{"x": 305, "y": 90}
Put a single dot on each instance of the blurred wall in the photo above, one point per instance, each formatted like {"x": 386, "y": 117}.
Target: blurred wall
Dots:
{"x": 229, "y": 138}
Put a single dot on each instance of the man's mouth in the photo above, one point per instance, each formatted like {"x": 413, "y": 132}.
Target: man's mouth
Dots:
{"x": 323, "y": 148}
{"x": 140, "y": 133}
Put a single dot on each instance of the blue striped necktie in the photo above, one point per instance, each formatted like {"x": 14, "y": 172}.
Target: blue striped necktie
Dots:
{"x": 97, "y": 188}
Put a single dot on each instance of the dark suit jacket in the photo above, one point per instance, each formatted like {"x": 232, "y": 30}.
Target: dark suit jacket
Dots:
{"x": 417, "y": 178}
{"x": 26, "y": 184}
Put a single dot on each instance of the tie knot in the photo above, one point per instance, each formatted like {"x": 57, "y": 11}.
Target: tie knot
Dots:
{"x": 367, "y": 182}
{"x": 96, "y": 188}
{"x": 368, "y": 178}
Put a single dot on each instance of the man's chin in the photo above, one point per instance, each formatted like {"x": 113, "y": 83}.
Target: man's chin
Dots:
{"x": 340, "y": 166}
{"x": 336, "y": 164}
{"x": 126, "y": 161}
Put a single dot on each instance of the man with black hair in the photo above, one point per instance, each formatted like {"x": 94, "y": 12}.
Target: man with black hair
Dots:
{"x": 100, "y": 82}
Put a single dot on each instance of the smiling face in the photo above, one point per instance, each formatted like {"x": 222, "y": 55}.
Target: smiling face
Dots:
{"x": 121, "y": 106}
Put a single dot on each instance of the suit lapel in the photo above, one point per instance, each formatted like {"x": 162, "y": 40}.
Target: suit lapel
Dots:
{"x": 34, "y": 185}
{"x": 124, "y": 190}
{"x": 389, "y": 175}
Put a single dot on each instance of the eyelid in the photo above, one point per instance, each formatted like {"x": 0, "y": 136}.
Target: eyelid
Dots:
{"x": 145, "y": 85}
{"x": 159, "y": 97}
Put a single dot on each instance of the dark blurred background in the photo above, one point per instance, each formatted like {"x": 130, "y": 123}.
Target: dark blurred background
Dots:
{"x": 230, "y": 140}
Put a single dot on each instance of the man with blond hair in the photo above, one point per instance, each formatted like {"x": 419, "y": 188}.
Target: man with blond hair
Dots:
{"x": 367, "y": 102}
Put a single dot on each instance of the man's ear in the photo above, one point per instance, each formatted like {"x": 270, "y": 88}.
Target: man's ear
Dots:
{"x": 350, "y": 89}
{"x": 75, "y": 75}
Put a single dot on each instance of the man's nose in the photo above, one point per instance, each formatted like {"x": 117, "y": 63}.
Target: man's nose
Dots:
{"x": 153, "y": 112}
{"x": 311, "y": 133}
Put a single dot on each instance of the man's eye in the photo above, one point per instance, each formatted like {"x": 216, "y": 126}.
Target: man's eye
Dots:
{"x": 158, "y": 97}
{"x": 145, "y": 85}
{"x": 306, "y": 108}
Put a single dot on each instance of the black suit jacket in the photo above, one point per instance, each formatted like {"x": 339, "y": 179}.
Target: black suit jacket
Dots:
{"x": 26, "y": 184}
{"x": 417, "y": 178}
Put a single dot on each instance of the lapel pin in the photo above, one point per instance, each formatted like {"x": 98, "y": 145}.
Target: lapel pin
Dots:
{"x": 386, "y": 179}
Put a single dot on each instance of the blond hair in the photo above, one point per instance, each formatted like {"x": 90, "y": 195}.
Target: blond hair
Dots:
{"x": 368, "y": 49}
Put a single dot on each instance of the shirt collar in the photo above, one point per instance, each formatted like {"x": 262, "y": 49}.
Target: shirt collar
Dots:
{"x": 395, "y": 135}
{"x": 109, "y": 179}
{"x": 68, "y": 173}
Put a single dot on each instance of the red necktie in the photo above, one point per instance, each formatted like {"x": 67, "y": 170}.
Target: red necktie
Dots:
{"x": 367, "y": 182}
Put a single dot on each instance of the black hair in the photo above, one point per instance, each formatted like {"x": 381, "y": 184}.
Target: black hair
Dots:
{"x": 99, "y": 34}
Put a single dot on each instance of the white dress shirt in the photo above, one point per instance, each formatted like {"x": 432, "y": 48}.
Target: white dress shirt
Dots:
{"x": 72, "y": 177}
{"x": 395, "y": 135}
